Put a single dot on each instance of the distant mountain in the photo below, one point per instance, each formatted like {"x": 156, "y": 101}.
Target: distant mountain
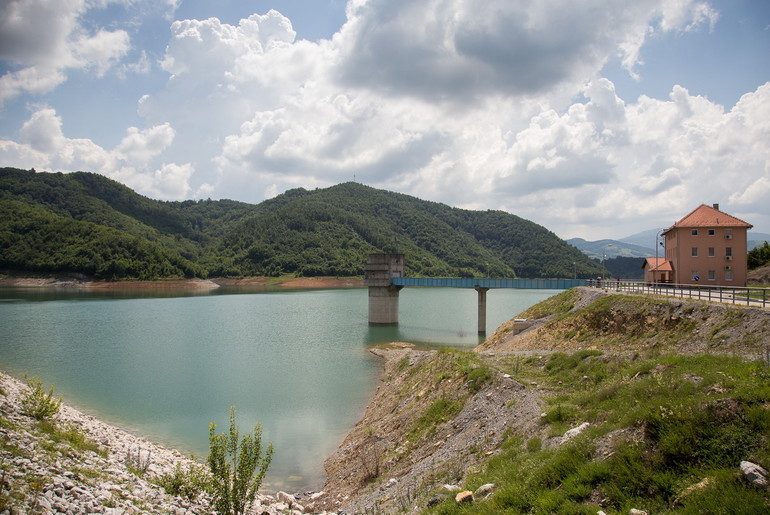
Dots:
{"x": 85, "y": 223}
{"x": 608, "y": 249}
{"x": 755, "y": 239}
{"x": 644, "y": 239}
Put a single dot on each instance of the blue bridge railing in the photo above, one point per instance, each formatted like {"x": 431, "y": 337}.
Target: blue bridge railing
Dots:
{"x": 525, "y": 284}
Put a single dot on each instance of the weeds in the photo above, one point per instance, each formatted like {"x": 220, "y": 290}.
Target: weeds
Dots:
{"x": 189, "y": 483}
{"x": 138, "y": 464}
{"x": 71, "y": 436}
{"x": 38, "y": 404}
{"x": 469, "y": 366}
{"x": 371, "y": 472}
{"x": 437, "y": 413}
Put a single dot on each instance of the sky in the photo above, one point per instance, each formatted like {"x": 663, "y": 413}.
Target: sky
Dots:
{"x": 594, "y": 118}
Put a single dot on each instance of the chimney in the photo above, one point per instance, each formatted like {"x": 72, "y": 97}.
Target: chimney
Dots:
{"x": 716, "y": 206}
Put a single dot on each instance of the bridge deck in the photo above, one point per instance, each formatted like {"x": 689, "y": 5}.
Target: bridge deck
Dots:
{"x": 452, "y": 282}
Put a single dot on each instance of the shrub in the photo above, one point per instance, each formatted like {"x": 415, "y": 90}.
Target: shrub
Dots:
{"x": 138, "y": 464}
{"x": 237, "y": 466}
{"x": 534, "y": 444}
{"x": 188, "y": 483}
{"x": 38, "y": 404}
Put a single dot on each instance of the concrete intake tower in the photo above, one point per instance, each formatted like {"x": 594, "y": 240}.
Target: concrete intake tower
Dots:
{"x": 379, "y": 272}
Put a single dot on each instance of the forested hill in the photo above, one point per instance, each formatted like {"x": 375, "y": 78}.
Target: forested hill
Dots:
{"x": 85, "y": 223}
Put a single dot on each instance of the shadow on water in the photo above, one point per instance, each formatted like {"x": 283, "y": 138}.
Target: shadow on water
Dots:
{"x": 423, "y": 336}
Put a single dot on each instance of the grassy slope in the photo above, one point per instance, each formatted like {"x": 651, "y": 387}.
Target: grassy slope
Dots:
{"x": 667, "y": 431}
{"x": 667, "y": 434}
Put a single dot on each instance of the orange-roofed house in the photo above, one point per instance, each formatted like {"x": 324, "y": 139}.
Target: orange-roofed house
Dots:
{"x": 706, "y": 247}
{"x": 657, "y": 269}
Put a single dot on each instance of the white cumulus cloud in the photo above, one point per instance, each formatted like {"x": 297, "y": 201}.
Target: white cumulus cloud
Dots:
{"x": 41, "y": 40}
{"x": 44, "y": 145}
{"x": 492, "y": 104}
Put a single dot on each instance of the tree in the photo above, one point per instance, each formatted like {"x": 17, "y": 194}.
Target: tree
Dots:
{"x": 237, "y": 467}
{"x": 759, "y": 256}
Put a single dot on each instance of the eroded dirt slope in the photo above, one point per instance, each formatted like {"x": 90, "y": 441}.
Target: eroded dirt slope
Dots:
{"x": 429, "y": 423}
{"x": 592, "y": 318}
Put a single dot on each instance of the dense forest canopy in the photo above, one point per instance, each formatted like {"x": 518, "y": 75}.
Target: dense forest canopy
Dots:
{"x": 85, "y": 223}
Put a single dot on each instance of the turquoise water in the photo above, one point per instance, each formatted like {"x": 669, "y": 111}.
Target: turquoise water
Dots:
{"x": 297, "y": 362}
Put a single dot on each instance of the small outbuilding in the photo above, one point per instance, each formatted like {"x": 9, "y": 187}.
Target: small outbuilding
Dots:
{"x": 657, "y": 270}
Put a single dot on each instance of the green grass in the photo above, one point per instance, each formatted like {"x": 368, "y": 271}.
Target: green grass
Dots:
{"x": 437, "y": 413}
{"x": 558, "y": 304}
{"x": 673, "y": 431}
{"x": 68, "y": 435}
{"x": 467, "y": 365}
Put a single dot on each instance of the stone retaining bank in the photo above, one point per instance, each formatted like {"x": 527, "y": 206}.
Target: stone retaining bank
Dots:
{"x": 40, "y": 475}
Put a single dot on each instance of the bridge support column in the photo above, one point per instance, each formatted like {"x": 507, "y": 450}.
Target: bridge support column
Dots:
{"x": 482, "y": 309}
{"x": 383, "y": 305}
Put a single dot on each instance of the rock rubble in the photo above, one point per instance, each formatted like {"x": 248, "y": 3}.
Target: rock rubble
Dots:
{"x": 40, "y": 473}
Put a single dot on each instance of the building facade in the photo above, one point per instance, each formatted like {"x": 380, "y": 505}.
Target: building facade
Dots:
{"x": 707, "y": 247}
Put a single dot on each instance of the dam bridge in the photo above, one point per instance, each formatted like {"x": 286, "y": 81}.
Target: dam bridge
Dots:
{"x": 384, "y": 277}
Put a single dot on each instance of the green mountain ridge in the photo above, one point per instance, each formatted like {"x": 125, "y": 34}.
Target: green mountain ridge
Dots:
{"x": 86, "y": 223}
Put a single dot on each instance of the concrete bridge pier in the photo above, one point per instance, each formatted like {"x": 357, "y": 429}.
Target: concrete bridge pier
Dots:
{"x": 379, "y": 272}
{"x": 482, "y": 308}
{"x": 383, "y": 305}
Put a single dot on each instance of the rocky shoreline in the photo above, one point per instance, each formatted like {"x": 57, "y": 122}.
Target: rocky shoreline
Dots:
{"x": 117, "y": 474}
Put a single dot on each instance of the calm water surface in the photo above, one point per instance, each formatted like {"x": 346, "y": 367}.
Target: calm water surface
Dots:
{"x": 297, "y": 362}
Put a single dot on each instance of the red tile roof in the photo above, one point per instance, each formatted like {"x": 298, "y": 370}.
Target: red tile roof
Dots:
{"x": 659, "y": 264}
{"x": 708, "y": 216}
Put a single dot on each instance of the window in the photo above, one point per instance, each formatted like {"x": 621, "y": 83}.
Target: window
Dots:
{"x": 712, "y": 275}
{"x": 729, "y": 251}
{"x": 694, "y": 232}
{"x": 694, "y": 252}
{"x": 712, "y": 252}
{"x": 694, "y": 275}
{"x": 728, "y": 234}
{"x": 712, "y": 232}
{"x": 728, "y": 275}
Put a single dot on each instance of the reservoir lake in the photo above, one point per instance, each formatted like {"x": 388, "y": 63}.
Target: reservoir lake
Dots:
{"x": 297, "y": 362}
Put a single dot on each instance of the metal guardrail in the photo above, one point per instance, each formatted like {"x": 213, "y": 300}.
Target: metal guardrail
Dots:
{"x": 748, "y": 296}
{"x": 456, "y": 282}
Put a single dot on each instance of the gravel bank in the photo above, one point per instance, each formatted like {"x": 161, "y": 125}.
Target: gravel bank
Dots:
{"x": 39, "y": 474}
